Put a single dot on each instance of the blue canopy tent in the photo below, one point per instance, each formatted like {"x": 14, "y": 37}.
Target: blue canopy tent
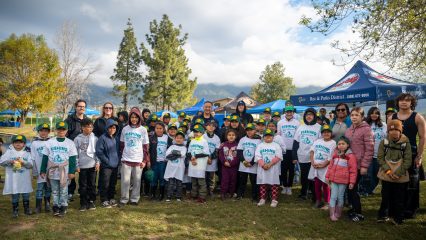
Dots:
{"x": 89, "y": 112}
{"x": 276, "y": 106}
{"x": 194, "y": 109}
{"x": 9, "y": 112}
{"x": 161, "y": 113}
{"x": 361, "y": 84}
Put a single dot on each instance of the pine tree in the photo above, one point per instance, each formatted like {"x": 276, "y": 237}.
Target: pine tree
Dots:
{"x": 167, "y": 84}
{"x": 127, "y": 78}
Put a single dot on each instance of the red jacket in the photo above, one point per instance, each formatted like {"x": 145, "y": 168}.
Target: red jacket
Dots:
{"x": 227, "y": 152}
{"x": 362, "y": 143}
{"x": 342, "y": 170}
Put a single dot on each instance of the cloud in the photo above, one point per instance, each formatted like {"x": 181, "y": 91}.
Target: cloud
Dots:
{"x": 96, "y": 15}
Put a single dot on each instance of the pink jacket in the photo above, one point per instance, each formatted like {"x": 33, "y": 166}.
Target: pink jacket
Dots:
{"x": 362, "y": 143}
{"x": 342, "y": 170}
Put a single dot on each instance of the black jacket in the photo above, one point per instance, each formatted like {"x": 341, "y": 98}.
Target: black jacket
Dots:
{"x": 74, "y": 125}
{"x": 153, "y": 140}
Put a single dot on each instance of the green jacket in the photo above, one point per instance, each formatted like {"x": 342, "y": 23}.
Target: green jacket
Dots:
{"x": 394, "y": 153}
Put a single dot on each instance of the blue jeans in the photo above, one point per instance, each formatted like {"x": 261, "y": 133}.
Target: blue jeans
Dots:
{"x": 337, "y": 194}
{"x": 43, "y": 187}
{"x": 159, "y": 169}
{"x": 60, "y": 194}
{"x": 373, "y": 169}
{"x": 15, "y": 197}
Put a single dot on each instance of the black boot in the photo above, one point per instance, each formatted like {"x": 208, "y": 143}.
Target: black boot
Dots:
{"x": 47, "y": 204}
{"x": 153, "y": 190}
{"x": 62, "y": 211}
{"x": 38, "y": 206}
{"x": 27, "y": 209}
{"x": 55, "y": 210}
{"x": 15, "y": 210}
{"x": 162, "y": 188}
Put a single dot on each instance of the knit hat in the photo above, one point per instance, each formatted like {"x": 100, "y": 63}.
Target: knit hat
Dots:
{"x": 61, "y": 125}
{"x": 21, "y": 138}
{"x": 326, "y": 127}
{"x": 268, "y": 132}
{"x": 250, "y": 126}
{"x": 394, "y": 124}
{"x": 43, "y": 126}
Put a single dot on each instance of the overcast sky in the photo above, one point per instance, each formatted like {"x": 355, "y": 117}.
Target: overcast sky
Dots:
{"x": 230, "y": 41}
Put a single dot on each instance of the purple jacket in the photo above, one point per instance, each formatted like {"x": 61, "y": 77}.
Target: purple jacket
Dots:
{"x": 362, "y": 143}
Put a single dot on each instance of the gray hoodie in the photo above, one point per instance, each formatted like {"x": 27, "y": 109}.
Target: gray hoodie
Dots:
{"x": 86, "y": 146}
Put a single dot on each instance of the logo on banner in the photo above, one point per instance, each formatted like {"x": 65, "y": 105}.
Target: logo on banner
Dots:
{"x": 345, "y": 83}
{"x": 381, "y": 77}
{"x": 301, "y": 99}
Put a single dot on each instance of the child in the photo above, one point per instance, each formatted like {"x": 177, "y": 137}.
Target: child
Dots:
{"x": 277, "y": 139}
{"x": 58, "y": 166}
{"x": 342, "y": 171}
{"x": 17, "y": 161}
{"x": 276, "y": 117}
{"x": 260, "y": 127}
{"x": 248, "y": 168}
{"x": 304, "y": 138}
{"x": 320, "y": 156}
{"x": 286, "y": 128}
{"x": 198, "y": 152}
{"x": 268, "y": 156}
{"x": 172, "y": 130}
{"x": 87, "y": 165}
{"x": 175, "y": 169}
{"x": 37, "y": 146}
{"x": 166, "y": 120}
{"x": 181, "y": 117}
{"x": 107, "y": 153}
{"x": 159, "y": 143}
{"x": 394, "y": 159}
{"x": 152, "y": 120}
{"x": 229, "y": 161}
{"x": 267, "y": 116}
{"x": 134, "y": 143}
{"x": 214, "y": 144}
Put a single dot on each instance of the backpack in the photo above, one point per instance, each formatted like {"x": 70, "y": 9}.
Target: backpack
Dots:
{"x": 387, "y": 147}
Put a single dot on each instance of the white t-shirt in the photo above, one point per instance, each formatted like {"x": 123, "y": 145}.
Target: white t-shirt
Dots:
{"x": 248, "y": 146}
{"x": 287, "y": 130}
{"x": 58, "y": 153}
{"x": 134, "y": 139}
{"x": 306, "y": 136}
{"x": 198, "y": 147}
{"x": 266, "y": 152}
{"x": 37, "y": 148}
{"x": 379, "y": 134}
{"x": 18, "y": 181}
{"x": 175, "y": 168}
{"x": 214, "y": 144}
{"x": 323, "y": 151}
{"x": 162, "y": 147}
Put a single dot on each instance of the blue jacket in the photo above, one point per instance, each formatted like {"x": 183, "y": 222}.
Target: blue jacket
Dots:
{"x": 347, "y": 121}
{"x": 107, "y": 149}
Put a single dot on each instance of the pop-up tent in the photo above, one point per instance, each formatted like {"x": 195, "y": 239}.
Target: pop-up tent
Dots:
{"x": 89, "y": 112}
{"x": 10, "y": 113}
{"x": 276, "y": 106}
{"x": 231, "y": 106}
{"x": 161, "y": 113}
{"x": 194, "y": 109}
{"x": 360, "y": 85}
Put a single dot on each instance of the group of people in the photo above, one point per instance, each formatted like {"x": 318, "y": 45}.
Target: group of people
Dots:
{"x": 193, "y": 158}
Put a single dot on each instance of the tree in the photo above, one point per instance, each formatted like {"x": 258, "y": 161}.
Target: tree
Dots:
{"x": 273, "y": 84}
{"x": 76, "y": 69}
{"x": 30, "y": 74}
{"x": 127, "y": 77}
{"x": 393, "y": 32}
{"x": 167, "y": 83}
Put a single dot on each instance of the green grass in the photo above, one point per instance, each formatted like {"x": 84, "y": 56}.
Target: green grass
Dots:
{"x": 292, "y": 219}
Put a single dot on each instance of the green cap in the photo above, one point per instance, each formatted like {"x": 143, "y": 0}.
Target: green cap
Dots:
{"x": 153, "y": 118}
{"x": 261, "y": 121}
{"x": 227, "y": 118}
{"x": 187, "y": 118}
{"x": 182, "y": 114}
{"x": 250, "y": 126}
{"x": 276, "y": 114}
{"x": 184, "y": 124}
{"x": 199, "y": 121}
{"x": 235, "y": 118}
{"x": 166, "y": 115}
{"x": 62, "y": 125}
{"x": 390, "y": 110}
{"x": 43, "y": 126}
{"x": 326, "y": 127}
{"x": 19, "y": 137}
{"x": 267, "y": 110}
{"x": 268, "y": 132}
{"x": 289, "y": 108}
{"x": 180, "y": 132}
{"x": 199, "y": 128}
{"x": 173, "y": 126}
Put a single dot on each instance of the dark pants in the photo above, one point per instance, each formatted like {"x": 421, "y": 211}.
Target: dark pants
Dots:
{"x": 243, "y": 184}
{"x": 174, "y": 186}
{"x": 159, "y": 169}
{"x": 353, "y": 195}
{"x": 72, "y": 186}
{"x": 373, "y": 169}
{"x": 87, "y": 185}
{"x": 287, "y": 170}
{"x": 108, "y": 177}
{"x": 392, "y": 204}
{"x": 412, "y": 195}
{"x": 228, "y": 182}
{"x": 304, "y": 181}
{"x": 145, "y": 185}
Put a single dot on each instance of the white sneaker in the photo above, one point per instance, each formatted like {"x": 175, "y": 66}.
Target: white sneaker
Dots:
{"x": 261, "y": 202}
{"x": 289, "y": 191}
{"x": 274, "y": 203}
{"x": 284, "y": 191}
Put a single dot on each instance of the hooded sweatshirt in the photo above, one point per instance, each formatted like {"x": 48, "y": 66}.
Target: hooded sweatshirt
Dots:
{"x": 305, "y": 136}
{"x": 394, "y": 154}
{"x": 244, "y": 116}
{"x": 362, "y": 143}
{"x": 86, "y": 150}
{"x": 106, "y": 148}
{"x": 134, "y": 141}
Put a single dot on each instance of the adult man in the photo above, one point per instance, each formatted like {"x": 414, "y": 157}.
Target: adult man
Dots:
{"x": 414, "y": 124}
{"x": 207, "y": 116}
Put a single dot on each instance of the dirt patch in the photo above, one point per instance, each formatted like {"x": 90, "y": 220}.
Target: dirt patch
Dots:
{"x": 14, "y": 228}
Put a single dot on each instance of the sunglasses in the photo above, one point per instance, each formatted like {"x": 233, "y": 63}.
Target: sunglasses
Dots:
{"x": 341, "y": 110}
{"x": 108, "y": 108}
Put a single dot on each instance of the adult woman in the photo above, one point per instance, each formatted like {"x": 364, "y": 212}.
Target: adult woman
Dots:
{"x": 99, "y": 127}
{"x": 360, "y": 136}
{"x": 145, "y": 115}
{"x": 245, "y": 117}
{"x": 341, "y": 122}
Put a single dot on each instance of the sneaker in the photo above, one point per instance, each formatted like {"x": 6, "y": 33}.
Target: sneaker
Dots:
{"x": 274, "y": 203}
{"x": 168, "y": 200}
{"x": 357, "y": 218}
{"x": 83, "y": 208}
{"x": 261, "y": 202}
{"x": 113, "y": 203}
{"x": 91, "y": 206}
{"x": 55, "y": 210}
{"x": 105, "y": 204}
{"x": 133, "y": 203}
{"x": 289, "y": 191}
{"x": 284, "y": 191}
{"x": 178, "y": 200}
{"x": 62, "y": 211}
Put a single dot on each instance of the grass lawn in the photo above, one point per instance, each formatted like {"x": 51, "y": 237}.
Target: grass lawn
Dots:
{"x": 27, "y": 130}
{"x": 292, "y": 219}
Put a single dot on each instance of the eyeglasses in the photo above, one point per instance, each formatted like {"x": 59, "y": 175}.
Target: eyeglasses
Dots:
{"x": 108, "y": 108}
{"x": 81, "y": 106}
{"x": 341, "y": 110}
